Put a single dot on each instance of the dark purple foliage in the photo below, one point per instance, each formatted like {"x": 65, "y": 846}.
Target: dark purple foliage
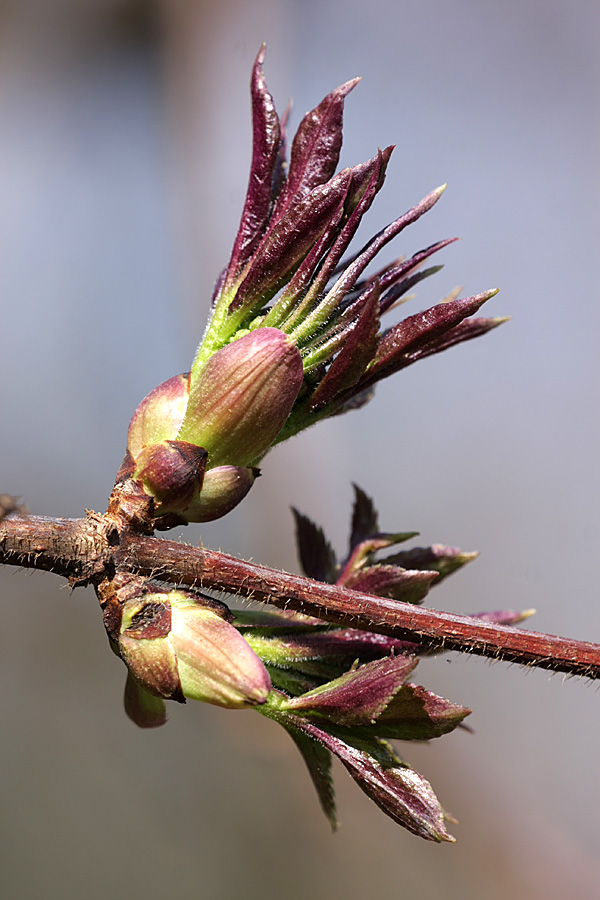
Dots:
{"x": 360, "y": 696}
{"x": 316, "y": 553}
{"x": 265, "y": 155}
{"x": 365, "y": 521}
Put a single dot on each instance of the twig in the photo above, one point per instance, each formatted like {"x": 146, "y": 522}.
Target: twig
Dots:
{"x": 182, "y": 564}
{"x": 88, "y": 550}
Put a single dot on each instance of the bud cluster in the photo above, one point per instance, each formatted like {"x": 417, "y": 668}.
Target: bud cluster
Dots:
{"x": 294, "y": 335}
{"x": 193, "y": 441}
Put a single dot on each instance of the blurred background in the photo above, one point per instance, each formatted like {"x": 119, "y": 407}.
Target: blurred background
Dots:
{"x": 124, "y": 148}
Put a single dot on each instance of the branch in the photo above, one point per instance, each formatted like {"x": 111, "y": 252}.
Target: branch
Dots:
{"x": 212, "y": 570}
{"x": 77, "y": 549}
{"x": 87, "y": 550}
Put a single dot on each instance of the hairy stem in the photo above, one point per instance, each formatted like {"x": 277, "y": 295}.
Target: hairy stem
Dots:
{"x": 218, "y": 571}
{"x": 78, "y": 549}
{"x": 85, "y": 550}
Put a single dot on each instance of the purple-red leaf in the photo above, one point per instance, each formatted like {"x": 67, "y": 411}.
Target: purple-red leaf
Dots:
{"x": 467, "y": 330}
{"x": 399, "y": 279}
{"x": 505, "y": 616}
{"x": 315, "y": 148}
{"x": 364, "y": 550}
{"x": 402, "y": 287}
{"x": 286, "y": 244}
{"x": 265, "y": 151}
{"x": 395, "y": 273}
{"x": 360, "y": 341}
{"x": 358, "y": 697}
{"x": 362, "y": 179}
{"x": 280, "y": 171}
{"x": 365, "y": 521}
{"x": 415, "y": 714}
{"x": 347, "y": 280}
{"x": 318, "y": 763}
{"x": 354, "y": 401}
{"x": 406, "y": 585}
{"x": 398, "y": 790}
{"x": 305, "y": 271}
{"x": 342, "y": 646}
{"x": 367, "y": 179}
{"x": 317, "y": 557}
{"x": 418, "y": 330}
{"x": 438, "y": 558}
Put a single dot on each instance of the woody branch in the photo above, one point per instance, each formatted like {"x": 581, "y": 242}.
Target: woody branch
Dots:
{"x": 88, "y": 550}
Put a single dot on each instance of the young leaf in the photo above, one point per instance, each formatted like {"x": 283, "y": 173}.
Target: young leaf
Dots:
{"x": 348, "y": 279}
{"x": 359, "y": 343}
{"x": 321, "y": 313}
{"x": 405, "y": 585}
{"x": 265, "y": 149}
{"x": 315, "y": 148}
{"x": 359, "y": 696}
{"x": 398, "y": 790}
{"x": 416, "y": 331}
{"x": 365, "y": 521}
{"x": 467, "y": 330}
{"x": 287, "y": 242}
{"x": 318, "y": 763}
{"x": 415, "y": 714}
{"x": 443, "y": 560}
{"x": 317, "y": 557}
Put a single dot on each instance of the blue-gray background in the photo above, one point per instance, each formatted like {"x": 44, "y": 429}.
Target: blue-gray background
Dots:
{"x": 124, "y": 147}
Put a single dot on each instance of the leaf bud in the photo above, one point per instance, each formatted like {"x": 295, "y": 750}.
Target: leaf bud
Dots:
{"x": 242, "y": 396}
{"x": 174, "y": 647}
{"x": 159, "y": 416}
{"x": 172, "y": 472}
{"x": 222, "y": 489}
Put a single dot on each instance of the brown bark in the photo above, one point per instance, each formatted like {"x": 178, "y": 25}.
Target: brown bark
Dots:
{"x": 92, "y": 549}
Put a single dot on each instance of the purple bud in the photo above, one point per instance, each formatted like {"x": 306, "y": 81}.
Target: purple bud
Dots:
{"x": 172, "y": 472}
{"x": 145, "y": 648}
{"x": 143, "y": 708}
{"x": 242, "y": 397}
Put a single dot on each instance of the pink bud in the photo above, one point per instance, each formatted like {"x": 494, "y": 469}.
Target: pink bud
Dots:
{"x": 174, "y": 647}
{"x": 145, "y": 647}
{"x": 242, "y": 397}
{"x": 215, "y": 662}
{"x": 222, "y": 489}
{"x": 159, "y": 415}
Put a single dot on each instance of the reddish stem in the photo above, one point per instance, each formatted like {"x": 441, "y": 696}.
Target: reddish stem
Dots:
{"x": 218, "y": 571}
{"x": 91, "y": 549}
